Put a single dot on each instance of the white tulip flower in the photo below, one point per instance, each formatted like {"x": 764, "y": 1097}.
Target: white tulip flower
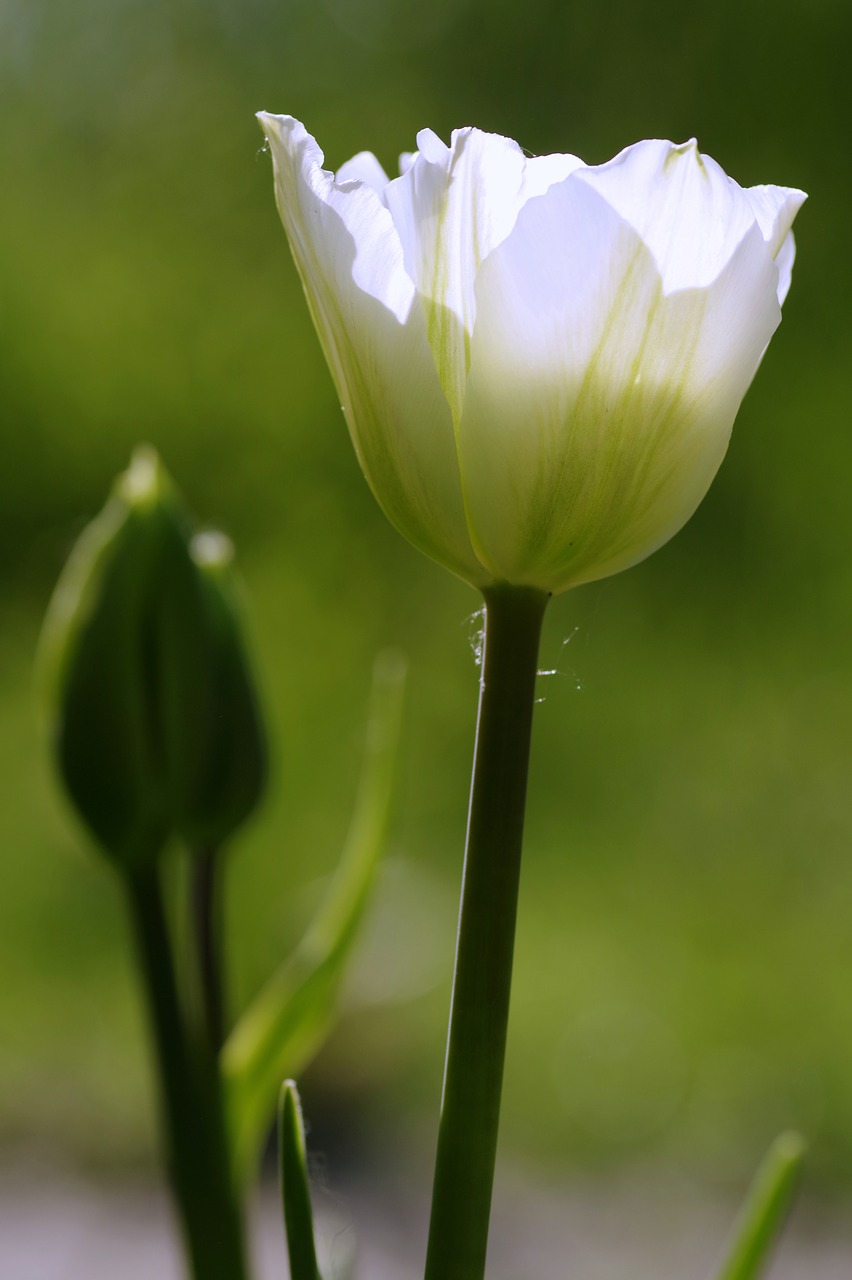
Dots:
{"x": 540, "y": 361}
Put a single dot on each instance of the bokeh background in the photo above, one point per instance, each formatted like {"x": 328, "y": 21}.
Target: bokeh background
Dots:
{"x": 684, "y": 974}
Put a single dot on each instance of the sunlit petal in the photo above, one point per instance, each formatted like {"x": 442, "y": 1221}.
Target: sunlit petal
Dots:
{"x": 599, "y": 407}
{"x": 363, "y": 168}
{"x": 689, "y": 213}
{"x": 363, "y": 303}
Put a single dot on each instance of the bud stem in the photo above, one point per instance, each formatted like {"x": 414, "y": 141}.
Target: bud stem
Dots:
{"x": 470, "y": 1108}
{"x": 190, "y": 1100}
{"x": 206, "y": 905}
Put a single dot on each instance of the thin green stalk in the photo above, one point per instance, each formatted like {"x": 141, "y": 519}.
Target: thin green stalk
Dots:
{"x": 470, "y": 1107}
{"x": 206, "y": 906}
{"x": 190, "y": 1101}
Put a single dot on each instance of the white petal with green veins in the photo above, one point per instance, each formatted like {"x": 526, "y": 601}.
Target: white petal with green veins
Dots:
{"x": 452, "y": 206}
{"x": 598, "y": 409}
{"x": 363, "y": 302}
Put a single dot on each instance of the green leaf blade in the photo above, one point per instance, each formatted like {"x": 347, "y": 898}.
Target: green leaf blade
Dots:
{"x": 295, "y": 1191}
{"x": 290, "y": 1017}
{"x": 765, "y": 1210}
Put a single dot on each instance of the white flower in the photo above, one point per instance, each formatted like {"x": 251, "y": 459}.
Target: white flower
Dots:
{"x": 539, "y": 361}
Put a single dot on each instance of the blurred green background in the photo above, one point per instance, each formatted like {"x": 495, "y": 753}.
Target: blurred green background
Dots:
{"x": 684, "y": 973}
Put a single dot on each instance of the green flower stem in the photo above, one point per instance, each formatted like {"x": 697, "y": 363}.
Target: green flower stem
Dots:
{"x": 470, "y": 1107}
{"x": 206, "y": 906}
{"x": 190, "y": 1098}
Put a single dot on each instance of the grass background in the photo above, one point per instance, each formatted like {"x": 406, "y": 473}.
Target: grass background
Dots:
{"x": 684, "y": 975}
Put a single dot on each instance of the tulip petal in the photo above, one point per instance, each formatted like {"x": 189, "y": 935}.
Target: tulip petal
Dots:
{"x": 775, "y": 208}
{"x": 452, "y": 206}
{"x": 362, "y": 300}
{"x": 784, "y": 260}
{"x": 598, "y": 408}
{"x": 689, "y": 213}
{"x": 541, "y": 172}
{"x": 363, "y": 168}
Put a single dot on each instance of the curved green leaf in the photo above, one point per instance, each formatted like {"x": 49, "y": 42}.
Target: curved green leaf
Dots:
{"x": 290, "y": 1017}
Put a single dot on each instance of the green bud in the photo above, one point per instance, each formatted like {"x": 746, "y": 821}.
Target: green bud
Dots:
{"x": 228, "y": 772}
{"x": 135, "y": 647}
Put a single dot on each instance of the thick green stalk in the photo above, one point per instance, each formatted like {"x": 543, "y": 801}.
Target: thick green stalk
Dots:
{"x": 470, "y": 1107}
{"x": 190, "y": 1099}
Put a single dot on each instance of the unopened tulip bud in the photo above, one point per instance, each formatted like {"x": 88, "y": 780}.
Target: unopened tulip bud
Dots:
{"x": 134, "y": 651}
{"x": 227, "y": 775}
